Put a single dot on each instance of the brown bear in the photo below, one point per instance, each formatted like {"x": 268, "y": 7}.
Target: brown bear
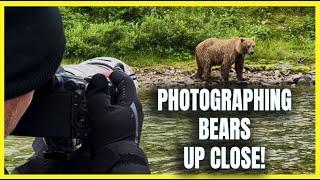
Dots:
{"x": 224, "y": 52}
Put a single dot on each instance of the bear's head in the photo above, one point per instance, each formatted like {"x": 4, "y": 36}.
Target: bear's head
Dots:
{"x": 247, "y": 45}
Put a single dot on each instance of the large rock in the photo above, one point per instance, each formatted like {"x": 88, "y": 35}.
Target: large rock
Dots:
{"x": 303, "y": 80}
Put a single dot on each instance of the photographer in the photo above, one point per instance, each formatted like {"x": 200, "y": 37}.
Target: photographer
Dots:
{"x": 34, "y": 46}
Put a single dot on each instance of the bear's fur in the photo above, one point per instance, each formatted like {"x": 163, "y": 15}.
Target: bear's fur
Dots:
{"x": 224, "y": 52}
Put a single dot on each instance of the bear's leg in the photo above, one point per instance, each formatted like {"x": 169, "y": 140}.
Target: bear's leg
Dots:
{"x": 199, "y": 71}
{"x": 225, "y": 69}
{"x": 207, "y": 71}
{"x": 239, "y": 67}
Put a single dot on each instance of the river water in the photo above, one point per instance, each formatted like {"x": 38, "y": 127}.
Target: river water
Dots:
{"x": 289, "y": 137}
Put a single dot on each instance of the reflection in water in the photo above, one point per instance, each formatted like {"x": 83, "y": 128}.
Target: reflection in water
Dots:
{"x": 288, "y": 137}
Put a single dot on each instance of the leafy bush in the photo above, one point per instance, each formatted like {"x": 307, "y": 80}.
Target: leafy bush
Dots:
{"x": 260, "y": 32}
{"x": 101, "y": 39}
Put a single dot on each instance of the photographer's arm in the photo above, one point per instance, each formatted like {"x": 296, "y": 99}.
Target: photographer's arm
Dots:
{"x": 114, "y": 136}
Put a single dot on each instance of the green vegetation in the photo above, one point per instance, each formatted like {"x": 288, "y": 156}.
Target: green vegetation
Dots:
{"x": 148, "y": 36}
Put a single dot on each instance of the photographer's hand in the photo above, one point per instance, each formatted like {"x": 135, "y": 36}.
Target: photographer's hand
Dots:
{"x": 114, "y": 123}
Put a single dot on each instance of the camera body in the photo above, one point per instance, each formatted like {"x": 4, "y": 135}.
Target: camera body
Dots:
{"x": 58, "y": 111}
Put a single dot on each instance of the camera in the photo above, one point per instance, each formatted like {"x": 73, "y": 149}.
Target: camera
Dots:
{"x": 58, "y": 111}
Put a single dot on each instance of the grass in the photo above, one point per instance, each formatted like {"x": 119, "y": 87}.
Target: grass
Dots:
{"x": 166, "y": 36}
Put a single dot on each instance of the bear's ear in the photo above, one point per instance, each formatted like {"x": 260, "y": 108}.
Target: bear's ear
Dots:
{"x": 241, "y": 39}
{"x": 253, "y": 38}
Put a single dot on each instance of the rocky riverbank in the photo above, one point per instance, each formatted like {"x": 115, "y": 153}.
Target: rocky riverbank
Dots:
{"x": 180, "y": 77}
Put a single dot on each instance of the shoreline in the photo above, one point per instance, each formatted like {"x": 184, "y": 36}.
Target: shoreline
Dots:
{"x": 150, "y": 77}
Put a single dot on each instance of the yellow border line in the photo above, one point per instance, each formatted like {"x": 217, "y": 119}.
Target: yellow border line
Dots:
{"x": 162, "y": 176}
{"x": 161, "y": 3}
{"x": 317, "y": 92}
{"x": 2, "y": 88}
{"x": 165, "y": 3}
